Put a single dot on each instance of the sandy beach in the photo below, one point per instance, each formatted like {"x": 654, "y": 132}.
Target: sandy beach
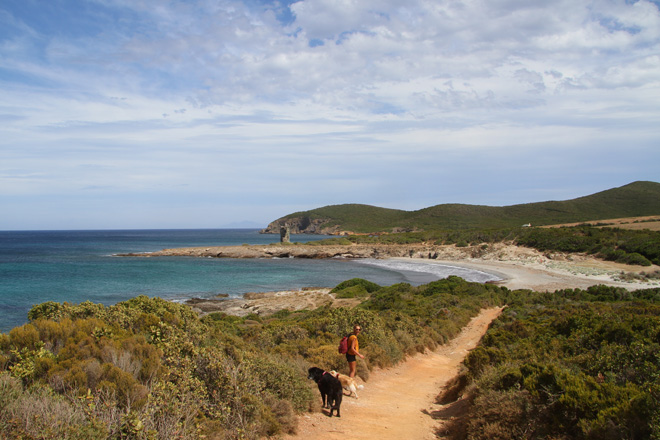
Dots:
{"x": 525, "y": 268}
{"x": 517, "y": 267}
{"x": 551, "y": 276}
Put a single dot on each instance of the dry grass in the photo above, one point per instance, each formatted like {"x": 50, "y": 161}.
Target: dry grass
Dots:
{"x": 651, "y": 222}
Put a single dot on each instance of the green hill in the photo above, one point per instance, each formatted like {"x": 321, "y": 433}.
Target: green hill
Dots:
{"x": 634, "y": 199}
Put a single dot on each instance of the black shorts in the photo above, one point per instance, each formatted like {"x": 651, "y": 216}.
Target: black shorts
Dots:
{"x": 350, "y": 357}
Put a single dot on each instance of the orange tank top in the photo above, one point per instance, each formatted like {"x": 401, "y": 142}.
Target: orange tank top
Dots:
{"x": 357, "y": 345}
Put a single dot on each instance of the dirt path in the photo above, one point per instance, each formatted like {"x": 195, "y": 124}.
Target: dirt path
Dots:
{"x": 396, "y": 403}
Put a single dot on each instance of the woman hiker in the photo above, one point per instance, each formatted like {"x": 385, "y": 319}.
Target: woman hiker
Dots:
{"x": 353, "y": 350}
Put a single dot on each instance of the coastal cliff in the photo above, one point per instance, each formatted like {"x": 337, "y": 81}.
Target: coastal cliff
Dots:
{"x": 302, "y": 225}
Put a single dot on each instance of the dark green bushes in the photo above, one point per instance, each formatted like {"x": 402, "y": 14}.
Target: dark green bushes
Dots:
{"x": 621, "y": 245}
{"x": 356, "y": 287}
{"x": 574, "y": 370}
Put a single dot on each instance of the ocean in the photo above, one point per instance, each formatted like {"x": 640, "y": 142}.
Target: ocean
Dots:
{"x": 76, "y": 266}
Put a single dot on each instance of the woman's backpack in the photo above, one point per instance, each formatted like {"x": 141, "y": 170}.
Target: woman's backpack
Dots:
{"x": 343, "y": 345}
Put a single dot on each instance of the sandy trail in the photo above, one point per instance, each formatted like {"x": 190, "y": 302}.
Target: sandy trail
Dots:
{"x": 397, "y": 402}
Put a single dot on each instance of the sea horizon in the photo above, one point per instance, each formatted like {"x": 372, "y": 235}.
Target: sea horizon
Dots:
{"x": 139, "y": 229}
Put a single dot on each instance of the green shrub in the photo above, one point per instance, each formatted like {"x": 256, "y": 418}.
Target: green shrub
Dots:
{"x": 355, "y": 288}
{"x": 570, "y": 370}
{"x": 352, "y": 292}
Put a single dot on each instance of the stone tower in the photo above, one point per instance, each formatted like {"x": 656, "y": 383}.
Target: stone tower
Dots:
{"x": 285, "y": 234}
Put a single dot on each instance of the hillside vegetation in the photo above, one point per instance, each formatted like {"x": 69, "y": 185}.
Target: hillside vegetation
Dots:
{"x": 634, "y": 199}
{"x": 634, "y": 247}
{"x": 571, "y": 364}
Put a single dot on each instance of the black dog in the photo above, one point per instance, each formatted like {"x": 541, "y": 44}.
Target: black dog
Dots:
{"x": 329, "y": 386}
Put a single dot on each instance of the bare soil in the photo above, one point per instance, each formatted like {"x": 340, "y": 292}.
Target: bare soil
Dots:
{"x": 399, "y": 403}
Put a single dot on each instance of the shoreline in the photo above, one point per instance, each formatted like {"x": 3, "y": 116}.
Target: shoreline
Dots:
{"x": 551, "y": 276}
{"x": 517, "y": 268}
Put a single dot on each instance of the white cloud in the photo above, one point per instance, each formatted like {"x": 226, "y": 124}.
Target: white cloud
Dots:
{"x": 141, "y": 101}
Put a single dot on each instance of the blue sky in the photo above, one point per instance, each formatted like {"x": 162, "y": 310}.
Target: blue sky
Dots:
{"x": 202, "y": 114}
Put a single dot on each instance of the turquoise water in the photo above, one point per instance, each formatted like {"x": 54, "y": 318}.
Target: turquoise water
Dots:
{"x": 76, "y": 266}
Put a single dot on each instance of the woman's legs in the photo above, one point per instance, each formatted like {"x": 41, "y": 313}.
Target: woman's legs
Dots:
{"x": 352, "y": 368}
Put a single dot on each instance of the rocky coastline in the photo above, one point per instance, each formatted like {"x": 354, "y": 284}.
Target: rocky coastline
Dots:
{"x": 267, "y": 303}
{"x": 287, "y": 250}
{"x": 518, "y": 267}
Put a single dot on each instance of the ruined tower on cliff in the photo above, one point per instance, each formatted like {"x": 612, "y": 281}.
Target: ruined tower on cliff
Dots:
{"x": 285, "y": 234}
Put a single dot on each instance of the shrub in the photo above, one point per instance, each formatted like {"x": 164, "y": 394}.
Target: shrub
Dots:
{"x": 47, "y": 310}
{"x": 352, "y": 292}
{"x": 367, "y": 286}
{"x": 502, "y": 415}
{"x": 38, "y": 413}
{"x": 568, "y": 370}
{"x": 326, "y": 357}
{"x": 26, "y": 336}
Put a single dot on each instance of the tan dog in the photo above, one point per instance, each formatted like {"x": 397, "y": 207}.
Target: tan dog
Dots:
{"x": 348, "y": 383}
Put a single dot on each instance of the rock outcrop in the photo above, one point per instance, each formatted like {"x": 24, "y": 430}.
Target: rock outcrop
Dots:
{"x": 302, "y": 225}
{"x": 267, "y": 303}
{"x": 280, "y": 250}
{"x": 312, "y": 251}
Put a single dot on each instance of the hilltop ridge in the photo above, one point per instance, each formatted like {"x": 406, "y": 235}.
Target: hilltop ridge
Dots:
{"x": 634, "y": 199}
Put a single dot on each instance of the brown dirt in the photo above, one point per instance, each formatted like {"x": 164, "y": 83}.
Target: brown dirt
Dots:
{"x": 399, "y": 403}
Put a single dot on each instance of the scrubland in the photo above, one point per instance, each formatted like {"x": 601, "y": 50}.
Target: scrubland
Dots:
{"x": 578, "y": 363}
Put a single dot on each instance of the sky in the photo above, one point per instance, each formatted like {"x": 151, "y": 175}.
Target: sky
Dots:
{"x": 120, "y": 114}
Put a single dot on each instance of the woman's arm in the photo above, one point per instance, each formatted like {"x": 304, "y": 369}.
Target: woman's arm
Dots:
{"x": 354, "y": 347}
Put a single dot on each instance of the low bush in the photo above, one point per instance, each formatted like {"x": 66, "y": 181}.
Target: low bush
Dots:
{"x": 356, "y": 287}
{"x": 570, "y": 370}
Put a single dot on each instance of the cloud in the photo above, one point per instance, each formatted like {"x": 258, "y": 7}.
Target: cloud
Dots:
{"x": 239, "y": 101}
